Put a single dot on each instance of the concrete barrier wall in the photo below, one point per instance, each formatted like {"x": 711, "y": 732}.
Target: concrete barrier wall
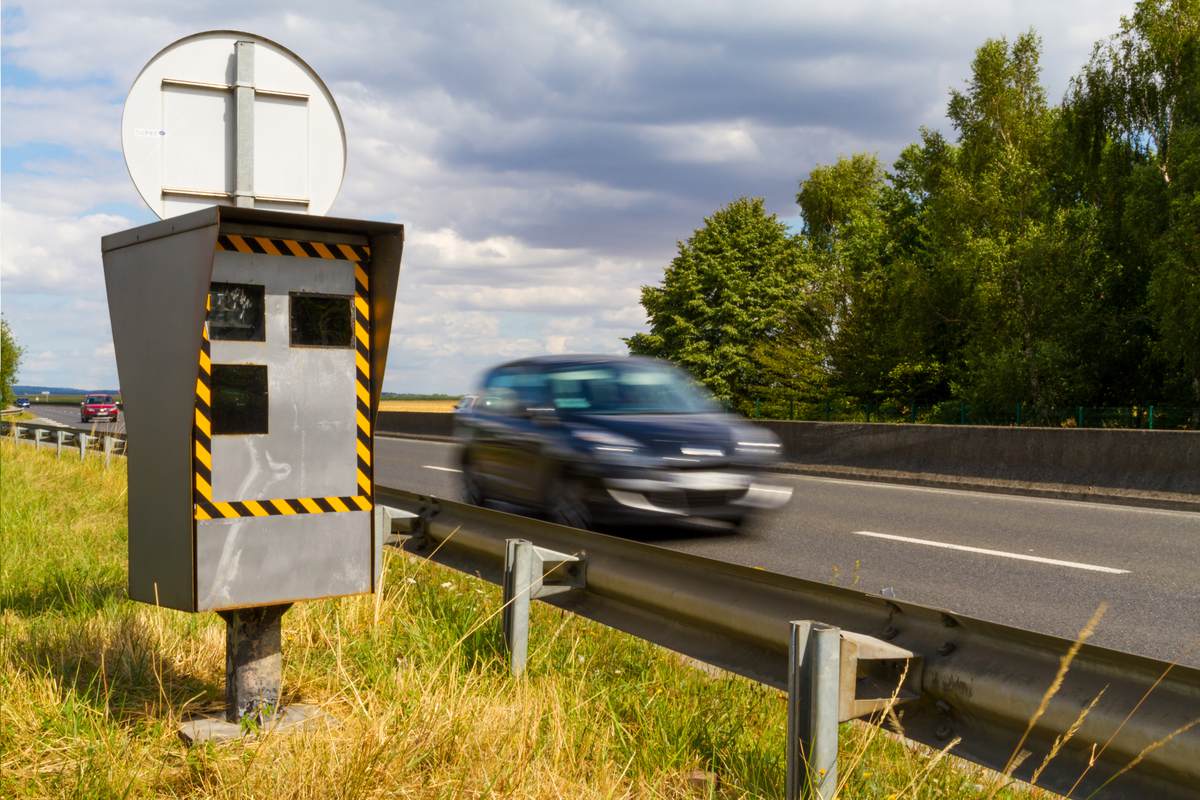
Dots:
{"x": 1152, "y": 461}
{"x": 1157, "y": 461}
{"x": 415, "y": 423}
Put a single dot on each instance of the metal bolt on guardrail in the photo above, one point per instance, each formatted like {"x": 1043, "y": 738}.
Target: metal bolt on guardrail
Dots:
{"x": 530, "y": 573}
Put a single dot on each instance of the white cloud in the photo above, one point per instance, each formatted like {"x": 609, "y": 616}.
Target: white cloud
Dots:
{"x": 43, "y": 253}
{"x": 544, "y": 157}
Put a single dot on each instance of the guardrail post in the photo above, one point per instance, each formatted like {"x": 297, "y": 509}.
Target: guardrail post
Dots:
{"x": 37, "y": 438}
{"x": 16, "y": 432}
{"x": 82, "y": 438}
{"x": 814, "y": 683}
{"x": 526, "y": 579}
{"x": 518, "y": 574}
{"x": 60, "y": 436}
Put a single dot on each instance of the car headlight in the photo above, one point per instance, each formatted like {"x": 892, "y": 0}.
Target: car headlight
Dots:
{"x": 608, "y": 442}
{"x": 759, "y": 447}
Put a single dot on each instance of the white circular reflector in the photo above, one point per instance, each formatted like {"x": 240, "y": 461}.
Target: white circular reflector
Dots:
{"x": 232, "y": 118}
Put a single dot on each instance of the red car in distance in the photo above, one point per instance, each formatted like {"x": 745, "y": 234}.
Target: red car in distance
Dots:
{"x": 98, "y": 406}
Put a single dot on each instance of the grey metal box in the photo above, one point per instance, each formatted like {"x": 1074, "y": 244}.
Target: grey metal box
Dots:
{"x": 278, "y": 510}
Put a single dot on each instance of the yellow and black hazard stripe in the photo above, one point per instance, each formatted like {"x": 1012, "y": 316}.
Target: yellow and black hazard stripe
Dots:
{"x": 202, "y": 424}
{"x": 209, "y": 509}
{"x": 204, "y": 505}
{"x": 265, "y": 245}
{"x": 362, "y": 384}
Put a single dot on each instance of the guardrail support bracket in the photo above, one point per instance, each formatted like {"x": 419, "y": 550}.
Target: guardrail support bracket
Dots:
{"x": 530, "y": 573}
{"x": 835, "y": 676}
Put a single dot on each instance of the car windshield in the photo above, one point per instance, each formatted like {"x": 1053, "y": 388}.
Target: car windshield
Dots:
{"x": 633, "y": 388}
{"x": 98, "y": 399}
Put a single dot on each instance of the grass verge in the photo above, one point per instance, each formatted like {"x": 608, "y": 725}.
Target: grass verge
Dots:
{"x": 93, "y": 687}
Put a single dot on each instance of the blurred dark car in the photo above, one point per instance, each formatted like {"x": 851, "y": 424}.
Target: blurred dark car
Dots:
{"x": 96, "y": 407}
{"x": 22, "y": 402}
{"x": 589, "y": 440}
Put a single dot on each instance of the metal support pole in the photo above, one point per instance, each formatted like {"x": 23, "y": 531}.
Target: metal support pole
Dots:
{"x": 253, "y": 663}
{"x": 108, "y": 447}
{"x": 526, "y": 578}
{"x": 243, "y": 193}
{"x": 814, "y": 673}
{"x": 1150, "y": 418}
{"x": 518, "y": 582}
{"x": 82, "y": 438}
{"x": 37, "y": 438}
{"x": 60, "y": 436}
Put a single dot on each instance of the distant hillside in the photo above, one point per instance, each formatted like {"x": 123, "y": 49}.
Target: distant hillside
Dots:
{"x": 31, "y": 390}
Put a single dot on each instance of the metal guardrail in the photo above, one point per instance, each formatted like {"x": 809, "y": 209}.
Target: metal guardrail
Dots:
{"x": 1001, "y": 692}
{"x": 75, "y": 440}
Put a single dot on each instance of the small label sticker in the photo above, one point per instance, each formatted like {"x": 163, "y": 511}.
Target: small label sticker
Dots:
{"x": 149, "y": 132}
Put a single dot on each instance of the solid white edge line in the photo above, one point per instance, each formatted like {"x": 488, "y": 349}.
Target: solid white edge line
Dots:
{"x": 441, "y": 469}
{"x": 984, "y": 551}
{"x": 1095, "y": 505}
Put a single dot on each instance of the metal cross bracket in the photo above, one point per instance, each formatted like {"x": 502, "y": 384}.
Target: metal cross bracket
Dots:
{"x": 827, "y": 670}
{"x": 530, "y": 573}
{"x": 391, "y": 525}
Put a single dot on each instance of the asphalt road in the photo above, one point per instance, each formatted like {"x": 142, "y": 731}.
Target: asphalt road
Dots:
{"x": 1039, "y": 564}
{"x": 69, "y": 415}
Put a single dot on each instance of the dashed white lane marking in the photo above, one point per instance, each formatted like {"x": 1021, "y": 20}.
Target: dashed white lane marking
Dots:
{"x": 1001, "y": 553}
{"x": 442, "y": 469}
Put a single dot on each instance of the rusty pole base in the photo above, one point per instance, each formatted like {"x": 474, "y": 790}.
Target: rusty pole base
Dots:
{"x": 253, "y": 676}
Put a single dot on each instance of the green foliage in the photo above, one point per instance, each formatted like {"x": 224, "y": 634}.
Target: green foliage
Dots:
{"x": 1048, "y": 256}
{"x": 737, "y": 285}
{"x": 10, "y": 362}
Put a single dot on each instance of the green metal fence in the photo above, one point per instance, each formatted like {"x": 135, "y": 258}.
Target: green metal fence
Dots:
{"x": 955, "y": 412}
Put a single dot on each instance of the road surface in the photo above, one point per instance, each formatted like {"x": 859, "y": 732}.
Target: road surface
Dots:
{"x": 69, "y": 415}
{"x": 1034, "y": 563}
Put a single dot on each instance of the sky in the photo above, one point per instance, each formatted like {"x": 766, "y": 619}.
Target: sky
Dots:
{"x": 545, "y": 158}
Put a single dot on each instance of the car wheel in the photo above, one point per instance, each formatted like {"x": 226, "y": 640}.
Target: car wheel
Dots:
{"x": 565, "y": 504}
{"x": 472, "y": 487}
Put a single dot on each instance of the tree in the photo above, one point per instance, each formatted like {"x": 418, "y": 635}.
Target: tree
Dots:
{"x": 1134, "y": 113}
{"x": 736, "y": 289}
{"x": 10, "y": 362}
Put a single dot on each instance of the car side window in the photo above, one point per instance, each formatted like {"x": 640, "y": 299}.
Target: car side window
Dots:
{"x": 514, "y": 391}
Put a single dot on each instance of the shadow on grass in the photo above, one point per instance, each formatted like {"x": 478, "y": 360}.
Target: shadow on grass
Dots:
{"x": 64, "y": 593}
{"x": 113, "y": 663}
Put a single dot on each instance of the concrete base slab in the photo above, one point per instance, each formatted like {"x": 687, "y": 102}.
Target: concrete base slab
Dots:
{"x": 215, "y": 728}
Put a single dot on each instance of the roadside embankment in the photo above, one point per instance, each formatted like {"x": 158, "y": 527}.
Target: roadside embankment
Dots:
{"x": 1151, "y": 468}
{"x": 413, "y": 681}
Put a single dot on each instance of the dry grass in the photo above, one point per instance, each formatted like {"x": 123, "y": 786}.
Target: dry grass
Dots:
{"x": 92, "y": 687}
{"x": 436, "y": 406}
